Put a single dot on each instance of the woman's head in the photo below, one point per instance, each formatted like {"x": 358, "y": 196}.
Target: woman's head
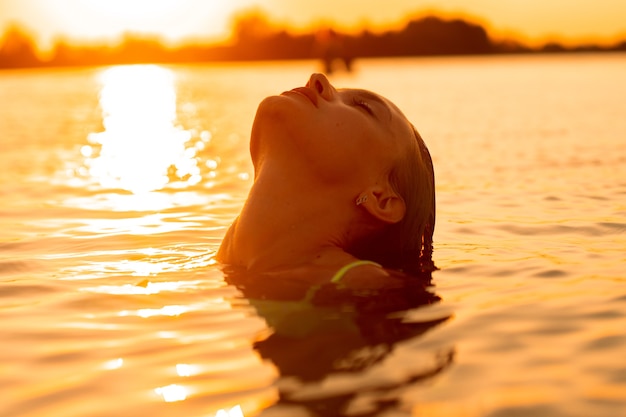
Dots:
{"x": 339, "y": 135}
{"x": 361, "y": 146}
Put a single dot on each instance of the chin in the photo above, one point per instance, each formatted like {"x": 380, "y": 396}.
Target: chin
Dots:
{"x": 276, "y": 115}
{"x": 273, "y": 105}
{"x": 269, "y": 112}
{"x": 275, "y": 125}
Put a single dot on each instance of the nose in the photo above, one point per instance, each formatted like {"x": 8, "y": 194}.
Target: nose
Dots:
{"x": 322, "y": 86}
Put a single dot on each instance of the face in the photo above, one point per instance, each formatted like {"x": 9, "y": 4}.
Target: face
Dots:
{"x": 338, "y": 134}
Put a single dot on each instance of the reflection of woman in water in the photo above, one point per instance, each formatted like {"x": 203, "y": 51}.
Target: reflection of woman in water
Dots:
{"x": 343, "y": 190}
{"x": 340, "y": 215}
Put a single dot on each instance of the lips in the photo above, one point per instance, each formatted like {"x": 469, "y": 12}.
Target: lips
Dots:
{"x": 306, "y": 92}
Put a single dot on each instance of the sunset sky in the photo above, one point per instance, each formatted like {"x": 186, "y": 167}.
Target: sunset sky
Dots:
{"x": 532, "y": 21}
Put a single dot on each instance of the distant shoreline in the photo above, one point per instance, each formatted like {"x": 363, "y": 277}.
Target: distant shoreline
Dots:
{"x": 269, "y": 61}
{"x": 425, "y": 37}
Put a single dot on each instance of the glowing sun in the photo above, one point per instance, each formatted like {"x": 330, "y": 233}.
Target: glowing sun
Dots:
{"x": 134, "y": 9}
{"x": 173, "y": 20}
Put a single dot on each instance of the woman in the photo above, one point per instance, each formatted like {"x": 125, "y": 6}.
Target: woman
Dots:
{"x": 343, "y": 190}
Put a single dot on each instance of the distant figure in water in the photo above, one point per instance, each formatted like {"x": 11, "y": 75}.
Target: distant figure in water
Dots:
{"x": 343, "y": 192}
{"x": 332, "y": 49}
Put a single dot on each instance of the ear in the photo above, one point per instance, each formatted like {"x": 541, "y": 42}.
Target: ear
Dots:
{"x": 384, "y": 204}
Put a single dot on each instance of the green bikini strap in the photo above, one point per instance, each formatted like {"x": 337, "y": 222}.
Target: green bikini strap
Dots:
{"x": 338, "y": 276}
{"x": 344, "y": 269}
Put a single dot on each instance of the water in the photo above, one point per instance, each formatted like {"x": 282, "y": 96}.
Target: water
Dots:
{"x": 117, "y": 185}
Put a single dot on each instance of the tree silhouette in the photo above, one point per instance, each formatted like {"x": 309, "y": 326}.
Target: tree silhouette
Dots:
{"x": 255, "y": 37}
{"x": 18, "y": 49}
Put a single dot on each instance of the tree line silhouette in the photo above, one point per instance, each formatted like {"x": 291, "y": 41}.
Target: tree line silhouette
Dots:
{"x": 255, "y": 38}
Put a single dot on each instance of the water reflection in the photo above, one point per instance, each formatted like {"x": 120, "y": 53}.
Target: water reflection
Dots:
{"x": 172, "y": 393}
{"x": 141, "y": 148}
{"x": 143, "y": 288}
{"x": 341, "y": 350}
{"x": 149, "y": 262}
{"x": 233, "y": 412}
{"x": 183, "y": 369}
{"x": 171, "y": 311}
{"x": 114, "y": 364}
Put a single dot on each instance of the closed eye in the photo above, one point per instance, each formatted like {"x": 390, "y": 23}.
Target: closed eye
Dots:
{"x": 357, "y": 101}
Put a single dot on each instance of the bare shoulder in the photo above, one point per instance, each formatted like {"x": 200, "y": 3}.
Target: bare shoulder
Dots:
{"x": 369, "y": 277}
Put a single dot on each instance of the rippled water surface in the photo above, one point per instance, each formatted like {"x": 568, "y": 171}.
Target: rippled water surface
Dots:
{"x": 117, "y": 185}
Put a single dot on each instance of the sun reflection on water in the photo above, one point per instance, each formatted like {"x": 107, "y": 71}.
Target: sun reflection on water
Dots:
{"x": 233, "y": 412}
{"x": 186, "y": 370}
{"x": 114, "y": 364}
{"x": 172, "y": 393}
{"x": 171, "y": 311}
{"x": 141, "y": 149}
{"x": 148, "y": 289}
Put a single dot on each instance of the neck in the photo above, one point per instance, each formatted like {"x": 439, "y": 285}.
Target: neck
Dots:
{"x": 287, "y": 223}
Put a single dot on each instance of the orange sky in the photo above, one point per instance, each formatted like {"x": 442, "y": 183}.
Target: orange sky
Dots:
{"x": 532, "y": 21}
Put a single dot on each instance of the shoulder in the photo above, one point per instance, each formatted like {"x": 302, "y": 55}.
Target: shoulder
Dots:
{"x": 368, "y": 276}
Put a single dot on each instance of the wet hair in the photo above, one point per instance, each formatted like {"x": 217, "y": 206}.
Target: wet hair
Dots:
{"x": 408, "y": 244}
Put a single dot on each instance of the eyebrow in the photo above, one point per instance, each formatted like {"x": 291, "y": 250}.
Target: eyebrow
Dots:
{"x": 369, "y": 96}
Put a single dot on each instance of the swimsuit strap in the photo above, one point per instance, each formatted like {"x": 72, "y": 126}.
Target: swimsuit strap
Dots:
{"x": 337, "y": 277}
{"x": 343, "y": 270}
